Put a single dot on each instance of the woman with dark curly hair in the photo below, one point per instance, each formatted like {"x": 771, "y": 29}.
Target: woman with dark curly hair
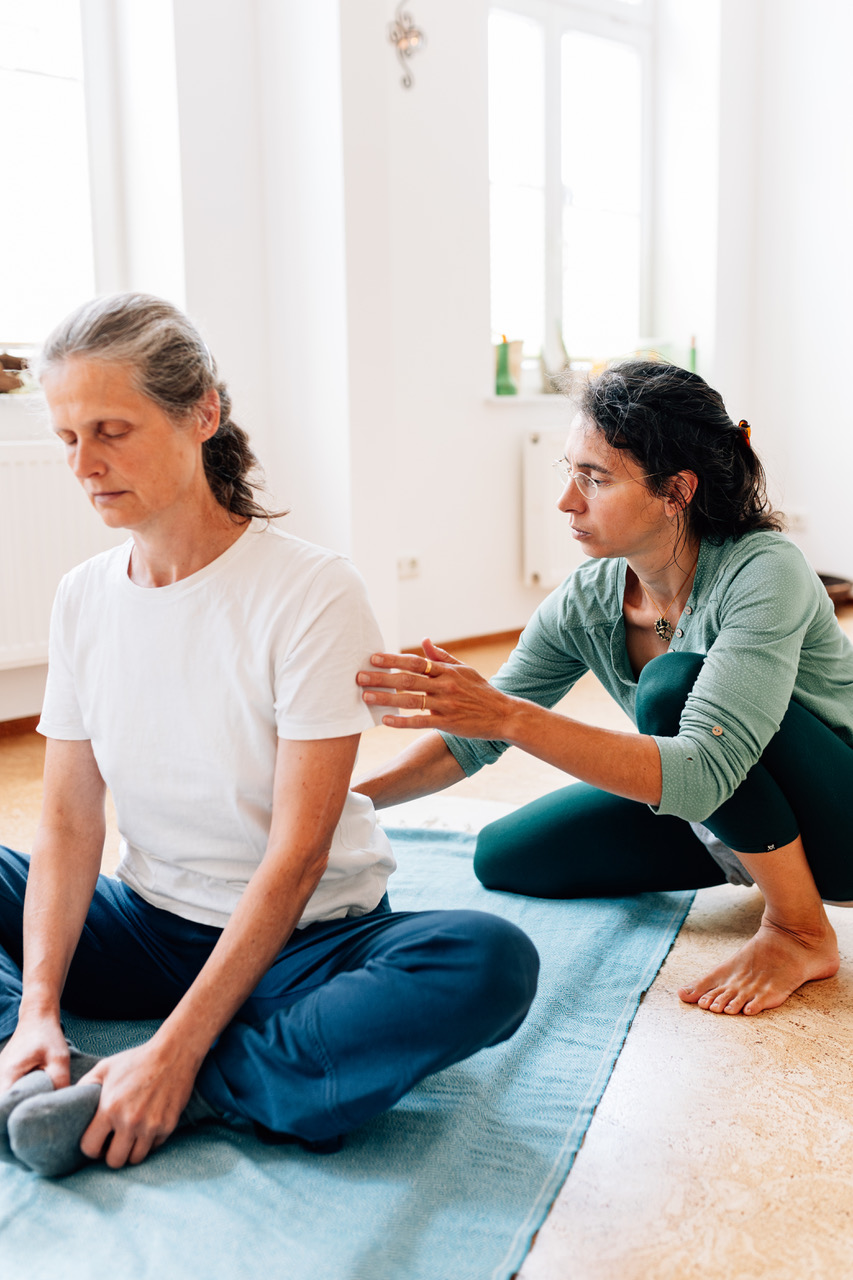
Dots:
{"x": 716, "y": 637}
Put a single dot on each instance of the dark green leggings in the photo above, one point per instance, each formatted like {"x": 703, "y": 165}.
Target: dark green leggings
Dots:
{"x": 581, "y": 842}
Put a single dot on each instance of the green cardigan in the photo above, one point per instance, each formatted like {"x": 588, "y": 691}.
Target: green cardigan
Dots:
{"x": 759, "y": 613}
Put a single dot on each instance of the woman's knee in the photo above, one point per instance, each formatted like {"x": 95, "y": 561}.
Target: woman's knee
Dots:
{"x": 663, "y": 689}
{"x": 539, "y": 849}
{"x": 496, "y": 857}
{"x": 499, "y": 969}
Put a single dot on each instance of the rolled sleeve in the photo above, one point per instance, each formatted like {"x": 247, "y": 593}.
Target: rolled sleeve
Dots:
{"x": 744, "y": 687}
{"x": 61, "y": 716}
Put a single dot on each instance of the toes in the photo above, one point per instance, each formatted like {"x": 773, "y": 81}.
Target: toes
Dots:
{"x": 719, "y": 998}
{"x": 704, "y": 993}
{"x": 719, "y": 1001}
{"x": 766, "y": 999}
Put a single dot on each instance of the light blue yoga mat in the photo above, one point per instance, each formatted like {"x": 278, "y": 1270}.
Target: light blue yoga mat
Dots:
{"x": 454, "y": 1182}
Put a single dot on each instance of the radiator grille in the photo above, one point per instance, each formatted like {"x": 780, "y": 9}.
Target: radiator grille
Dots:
{"x": 550, "y": 551}
{"x": 46, "y": 527}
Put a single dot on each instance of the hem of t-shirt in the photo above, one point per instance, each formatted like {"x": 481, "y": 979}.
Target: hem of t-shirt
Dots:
{"x": 316, "y": 732}
{"x": 210, "y": 916}
{"x": 184, "y": 910}
{"x": 61, "y": 732}
{"x": 297, "y": 732}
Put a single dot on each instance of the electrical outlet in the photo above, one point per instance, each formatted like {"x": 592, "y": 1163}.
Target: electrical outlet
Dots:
{"x": 408, "y": 566}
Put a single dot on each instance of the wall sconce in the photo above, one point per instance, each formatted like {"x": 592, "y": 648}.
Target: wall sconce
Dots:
{"x": 407, "y": 38}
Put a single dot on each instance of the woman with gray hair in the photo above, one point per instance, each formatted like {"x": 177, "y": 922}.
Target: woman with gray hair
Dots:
{"x": 204, "y": 671}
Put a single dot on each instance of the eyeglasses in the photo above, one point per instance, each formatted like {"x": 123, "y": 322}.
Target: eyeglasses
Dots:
{"x": 587, "y": 486}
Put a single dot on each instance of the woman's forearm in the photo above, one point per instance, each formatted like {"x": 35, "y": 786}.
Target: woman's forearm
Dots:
{"x": 63, "y": 872}
{"x": 64, "y": 866}
{"x": 263, "y": 920}
{"x": 625, "y": 764}
{"x": 456, "y": 699}
{"x": 309, "y": 793}
{"x": 425, "y": 766}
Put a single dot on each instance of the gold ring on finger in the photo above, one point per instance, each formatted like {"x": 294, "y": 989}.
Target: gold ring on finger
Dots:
{"x": 428, "y": 668}
{"x": 423, "y": 699}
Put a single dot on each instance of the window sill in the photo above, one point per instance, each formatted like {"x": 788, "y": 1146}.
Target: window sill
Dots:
{"x": 540, "y": 399}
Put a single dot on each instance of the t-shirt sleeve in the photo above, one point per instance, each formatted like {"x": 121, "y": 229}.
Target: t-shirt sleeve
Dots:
{"x": 745, "y": 684}
{"x": 332, "y": 638}
{"x": 61, "y": 716}
{"x": 542, "y": 668}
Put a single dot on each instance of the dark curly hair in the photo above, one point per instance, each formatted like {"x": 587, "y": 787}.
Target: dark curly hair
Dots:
{"x": 169, "y": 362}
{"x": 670, "y": 420}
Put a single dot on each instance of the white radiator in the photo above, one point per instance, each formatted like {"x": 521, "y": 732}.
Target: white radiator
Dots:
{"x": 46, "y": 527}
{"x": 550, "y": 551}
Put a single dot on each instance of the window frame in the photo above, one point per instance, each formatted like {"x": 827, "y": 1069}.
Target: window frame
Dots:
{"x": 104, "y": 129}
{"x": 632, "y": 24}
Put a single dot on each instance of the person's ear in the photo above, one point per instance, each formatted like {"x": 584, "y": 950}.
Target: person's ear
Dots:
{"x": 209, "y": 411}
{"x": 681, "y": 490}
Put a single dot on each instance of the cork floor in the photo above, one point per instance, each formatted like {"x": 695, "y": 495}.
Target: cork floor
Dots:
{"x": 723, "y": 1147}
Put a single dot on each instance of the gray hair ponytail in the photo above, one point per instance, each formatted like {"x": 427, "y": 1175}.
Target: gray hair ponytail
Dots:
{"x": 169, "y": 363}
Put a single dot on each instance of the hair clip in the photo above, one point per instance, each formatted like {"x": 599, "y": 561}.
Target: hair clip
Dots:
{"x": 746, "y": 431}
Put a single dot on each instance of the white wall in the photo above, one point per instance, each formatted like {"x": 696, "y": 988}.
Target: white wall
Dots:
{"x": 738, "y": 92}
{"x": 292, "y": 293}
{"x": 222, "y": 183}
{"x": 305, "y": 267}
{"x": 371, "y": 322}
{"x": 343, "y": 273}
{"x": 335, "y": 249}
{"x": 22, "y": 692}
{"x": 803, "y": 332}
{"x": 687, "y": 162}
{"x": 459, "y": 488}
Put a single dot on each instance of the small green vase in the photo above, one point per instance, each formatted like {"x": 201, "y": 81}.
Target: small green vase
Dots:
{"x": 504, "y": 385}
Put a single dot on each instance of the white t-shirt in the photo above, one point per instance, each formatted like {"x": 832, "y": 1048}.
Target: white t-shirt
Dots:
{"x": 184, "y": 691}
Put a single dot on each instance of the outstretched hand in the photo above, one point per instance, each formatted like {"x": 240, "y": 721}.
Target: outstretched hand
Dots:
{"x": 443, "y": 692}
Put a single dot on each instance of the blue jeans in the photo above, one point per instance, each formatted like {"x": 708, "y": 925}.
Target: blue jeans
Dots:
{"x": 351, "y": 1014}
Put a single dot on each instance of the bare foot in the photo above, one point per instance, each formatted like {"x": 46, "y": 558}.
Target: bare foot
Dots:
{"x": 767, "y": 970}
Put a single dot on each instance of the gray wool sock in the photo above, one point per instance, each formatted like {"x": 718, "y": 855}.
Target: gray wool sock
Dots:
{"x": 80, "y": 1063}
{"x": 36, "y": 1082}
{"x": 45, "y": 1131}
{"x": 197, "y": 1111}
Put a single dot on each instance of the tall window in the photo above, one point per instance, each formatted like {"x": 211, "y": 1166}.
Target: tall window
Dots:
{"x": 45, "y": 213}
{"x": 568, "y": 160}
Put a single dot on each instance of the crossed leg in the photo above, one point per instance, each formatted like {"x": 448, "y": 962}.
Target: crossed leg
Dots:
{"x": 349, "y": 1017}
